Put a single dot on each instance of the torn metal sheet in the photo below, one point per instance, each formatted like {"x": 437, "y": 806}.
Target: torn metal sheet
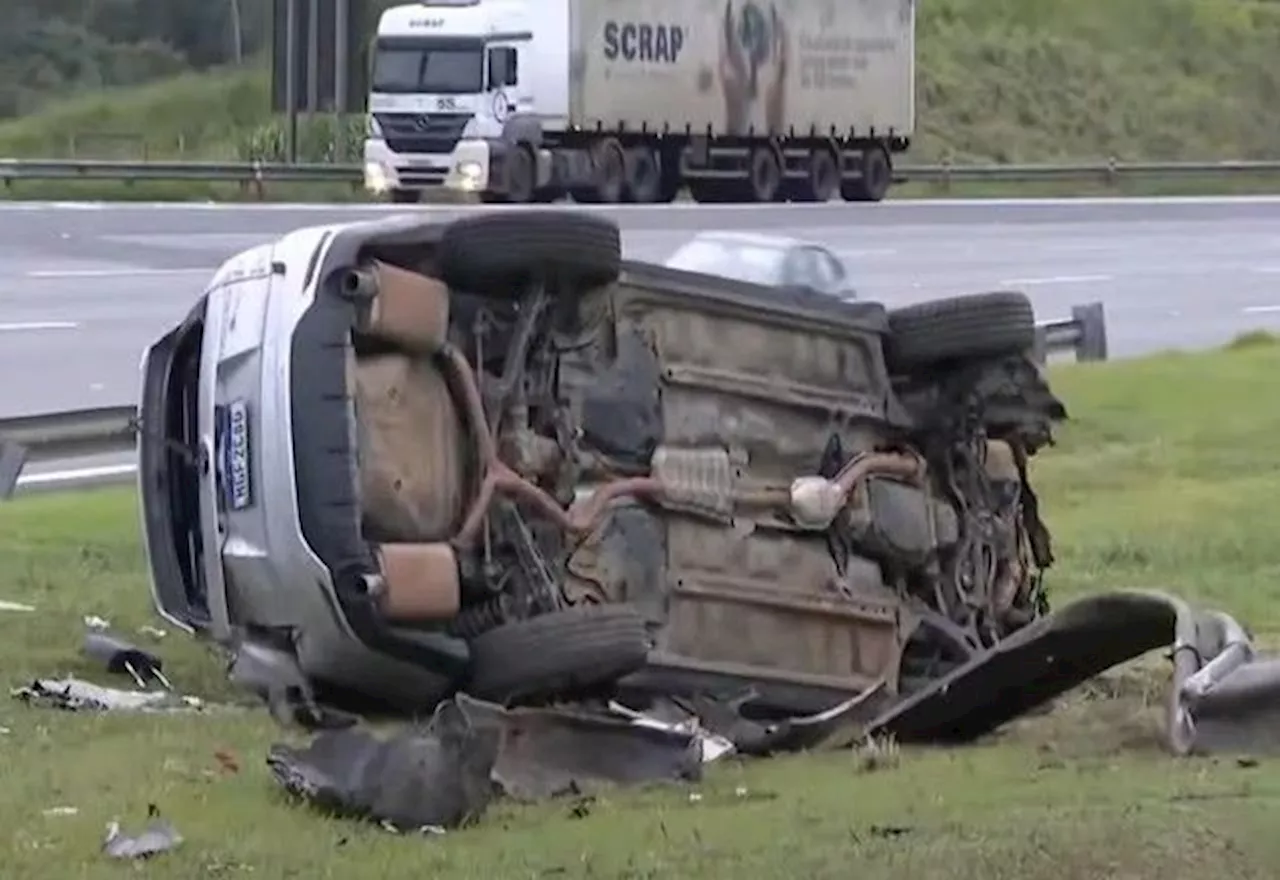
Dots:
{"x": 1224, "y": 698}
{"x": 542, "y": 753}
{"x": 842, "y": 722}
{"x": 711, "y": 746}
{"x": 73, "y": 695}
{"x": 159, "y": 836}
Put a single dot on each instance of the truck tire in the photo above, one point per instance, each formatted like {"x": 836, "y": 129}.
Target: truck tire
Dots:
{"x": 610, "y": 172}
{"x": 765, "y": 175}
{"x": 500, "y": 254}
{"x": 644, "y": 176}
{"x": 877, "y": 176}
{"x": 557, "y": 653}
{"x": 823, "y": 180}
{"x": 976, "y": 326}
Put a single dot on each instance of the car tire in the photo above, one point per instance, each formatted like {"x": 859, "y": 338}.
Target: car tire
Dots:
{"x": 501, "y": 254}
{"x": 957, "y": 328}
{"x": 557, "y": 653}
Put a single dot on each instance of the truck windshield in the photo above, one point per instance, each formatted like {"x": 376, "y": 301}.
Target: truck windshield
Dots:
{"x": 428, "y": 66}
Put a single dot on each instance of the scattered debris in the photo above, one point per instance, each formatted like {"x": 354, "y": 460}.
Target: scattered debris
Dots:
{"x": 1225, "y": 697}
{"x": 159, "y": 836}
{"x": 6, "y": 605}
{"x": 62, "y": 811}
{"x": 445, "y": 774}
{"x": 93, "y": 621}
{"x": 275, "y": 677}
{"x": 73, "y": 695}
{"x": 121, "y": 657}
{"x": 432, "y": 778}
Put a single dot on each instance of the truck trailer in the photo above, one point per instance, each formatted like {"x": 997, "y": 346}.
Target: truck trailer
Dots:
{"x": 609, "y": 101}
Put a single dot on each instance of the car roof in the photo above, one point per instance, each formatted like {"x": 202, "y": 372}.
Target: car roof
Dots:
{"x": 751, "y": 238}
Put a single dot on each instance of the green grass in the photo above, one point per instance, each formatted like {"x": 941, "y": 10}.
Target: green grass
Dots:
{"x": 999, "y": 80}
{"x": 1166, "y": 476}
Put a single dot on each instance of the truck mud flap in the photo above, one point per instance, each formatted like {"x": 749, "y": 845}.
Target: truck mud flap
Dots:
{"x": 1222, "y": 696}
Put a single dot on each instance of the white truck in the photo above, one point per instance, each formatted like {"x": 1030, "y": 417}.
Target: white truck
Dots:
{"x": 612, "y": 101}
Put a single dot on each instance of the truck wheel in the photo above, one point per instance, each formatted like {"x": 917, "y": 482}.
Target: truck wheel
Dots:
{"x": 610, "y": 171}
{"x": 766, "y": 174}
{"x": 877, "y": 175}
{"x": 557, "y": 653}
{"x": 976, "y": 326}
{"x": 500, "y": 254}
{"x": 823, "y": 180}
{"x": 518, "y": 176}
{"x": 644, "y": 178}
{"x": 669, "y": 182}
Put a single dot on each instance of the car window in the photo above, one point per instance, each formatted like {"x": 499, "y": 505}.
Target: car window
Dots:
{"x": 834, "y": 268}
{"x": 803, "y": 269}
{"x": 744, "y": 262}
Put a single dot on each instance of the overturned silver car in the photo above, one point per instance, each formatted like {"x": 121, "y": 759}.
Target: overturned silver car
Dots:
{"x": 405, "y": 458}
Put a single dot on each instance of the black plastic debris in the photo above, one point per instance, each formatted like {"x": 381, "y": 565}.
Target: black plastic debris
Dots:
{"x": 437, "y": 777}
{"x": 158, "y": 837}
{"x": 121, "y": 657}
{"x": 444, "y": 775}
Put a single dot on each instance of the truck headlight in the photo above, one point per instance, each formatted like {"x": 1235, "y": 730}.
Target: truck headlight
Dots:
{"x": 371, "y": 126}
{"x": 470, "y": 173}
{"x": 376, "y": 179}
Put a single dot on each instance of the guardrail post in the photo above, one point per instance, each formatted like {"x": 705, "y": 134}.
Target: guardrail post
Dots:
{"x": 1092, "y": 343}
{"x": 1112, "y": 174}
{"x": 258, "y": 187}
{"x": 1040, "y": 351}
{"x": 946, "y": 174}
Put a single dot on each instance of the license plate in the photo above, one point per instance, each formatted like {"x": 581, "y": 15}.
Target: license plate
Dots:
{"x": 235, "y": 454}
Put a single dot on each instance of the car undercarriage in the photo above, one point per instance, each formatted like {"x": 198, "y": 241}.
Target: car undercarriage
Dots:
{"x": 615, "y": 475}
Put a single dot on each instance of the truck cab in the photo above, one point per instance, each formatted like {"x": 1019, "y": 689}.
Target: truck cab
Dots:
{"x": 442, "y": 72}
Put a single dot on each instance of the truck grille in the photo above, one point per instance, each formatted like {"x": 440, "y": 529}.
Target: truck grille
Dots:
{"x": 422, "y": 132}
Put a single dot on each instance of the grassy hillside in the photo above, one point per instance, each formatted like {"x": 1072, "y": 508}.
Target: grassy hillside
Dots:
{"x": 999, "y": 80}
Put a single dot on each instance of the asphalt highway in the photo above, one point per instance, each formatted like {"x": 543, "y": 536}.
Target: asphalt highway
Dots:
{"x": 84, "y": 287}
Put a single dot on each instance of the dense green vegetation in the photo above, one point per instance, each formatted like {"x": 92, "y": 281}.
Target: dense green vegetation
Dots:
{"x": 999, "y": 79}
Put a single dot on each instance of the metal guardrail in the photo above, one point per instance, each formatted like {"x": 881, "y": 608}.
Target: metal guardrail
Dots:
{"x": 258, "y": 174}
{"x": 1084, "y": 334}
{"x": 63, "y": 436}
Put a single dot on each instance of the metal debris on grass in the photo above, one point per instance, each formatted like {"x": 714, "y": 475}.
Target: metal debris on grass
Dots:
{"x": 158, "y": 837}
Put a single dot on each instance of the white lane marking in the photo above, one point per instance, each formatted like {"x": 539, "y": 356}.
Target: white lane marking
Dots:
{"x": 112, "y": 273}
{"x": 1260, "y": 310}
{"x": 21, "y": 326}
{"x": 1055, "y": 279}
{"x": 868, "y": 252}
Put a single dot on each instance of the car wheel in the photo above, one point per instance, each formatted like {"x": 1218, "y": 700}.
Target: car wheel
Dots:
{"x": 557, "y": 653}
{"x": 956, "y": 328}
{"x": 501, "y": 254}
